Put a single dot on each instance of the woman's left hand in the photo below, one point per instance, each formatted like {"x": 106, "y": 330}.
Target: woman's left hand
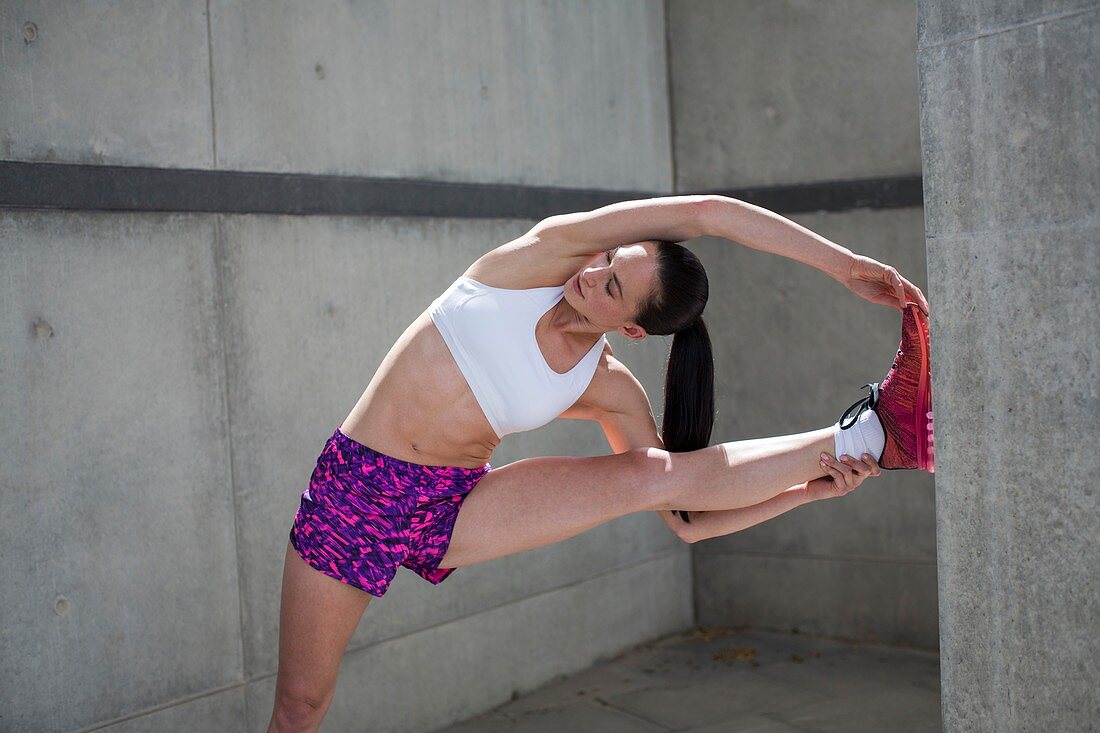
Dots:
{"x": 882, "y": 284}
{"x": 844, "y": 476}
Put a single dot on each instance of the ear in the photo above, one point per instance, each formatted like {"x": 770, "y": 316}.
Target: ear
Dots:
{"x": 633, "y": 331}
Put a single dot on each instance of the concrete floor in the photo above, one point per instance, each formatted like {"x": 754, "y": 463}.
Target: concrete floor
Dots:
{"x": 713, "y": 679}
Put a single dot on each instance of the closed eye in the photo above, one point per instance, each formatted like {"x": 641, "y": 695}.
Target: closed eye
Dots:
{"x": 609, "y": 280}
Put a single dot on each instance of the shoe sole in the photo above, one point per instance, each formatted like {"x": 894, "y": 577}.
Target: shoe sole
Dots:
{"x": 926, "y": 441}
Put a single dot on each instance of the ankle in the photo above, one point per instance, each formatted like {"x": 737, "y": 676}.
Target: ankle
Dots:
{"x": 864, "y": 436}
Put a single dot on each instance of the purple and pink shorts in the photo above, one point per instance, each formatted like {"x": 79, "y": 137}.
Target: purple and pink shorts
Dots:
{"x": 366, "y": 513}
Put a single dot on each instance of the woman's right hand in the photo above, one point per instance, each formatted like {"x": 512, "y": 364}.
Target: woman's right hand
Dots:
{"x": 882, "y": 284}
{"x": 844, "y": 476}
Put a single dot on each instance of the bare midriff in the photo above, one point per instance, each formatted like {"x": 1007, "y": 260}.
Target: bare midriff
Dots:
{"x": 418, "y": 406}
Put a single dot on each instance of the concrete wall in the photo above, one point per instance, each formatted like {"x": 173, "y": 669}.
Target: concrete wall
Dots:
{"x": 489, "y": 91}
{"x": 793, "y": 92}
{"x": 1009, "y": 99}
{"x": 167, "y": 380}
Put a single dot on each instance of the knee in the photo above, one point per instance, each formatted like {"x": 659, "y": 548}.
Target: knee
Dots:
{"x": 653, "y": 473}
{"x": 684, "y": 532}
{"x": 298, "y": 709}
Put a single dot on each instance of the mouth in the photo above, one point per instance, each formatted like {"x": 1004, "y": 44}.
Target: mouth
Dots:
{"x": 577, "y": 285}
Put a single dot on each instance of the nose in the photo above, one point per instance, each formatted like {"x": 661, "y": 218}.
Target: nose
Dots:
{"x": 590, "y": 273}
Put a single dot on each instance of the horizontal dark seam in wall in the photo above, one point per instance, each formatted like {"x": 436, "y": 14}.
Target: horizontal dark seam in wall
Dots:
{"x": 886, "y": 192}
{"x": 1009, "y": 28}
{"x": 810, "y": 556}
{"x": 163, "y": 706}
{"x": 79, "y": 187}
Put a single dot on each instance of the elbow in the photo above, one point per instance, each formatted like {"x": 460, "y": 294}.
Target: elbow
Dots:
{"x": 684, "y": 531}
{"x": 703, "y": 214}
{"x": 713, "y": 214}
{"x": 687, "y": 532}
{"x": 691, "y": 537}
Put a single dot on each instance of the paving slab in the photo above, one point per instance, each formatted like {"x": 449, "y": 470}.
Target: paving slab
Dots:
{"x": 583, "y": 716}
{"x": 752, "y": 724}
{"x": 713, "y": 698}
{"x": 862, "y": 671}
{"x": 708, "y": 679}
{"x": 897, "y": 711}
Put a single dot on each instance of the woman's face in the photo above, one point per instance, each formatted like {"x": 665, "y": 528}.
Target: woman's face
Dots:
{"x": 612, "y": 285}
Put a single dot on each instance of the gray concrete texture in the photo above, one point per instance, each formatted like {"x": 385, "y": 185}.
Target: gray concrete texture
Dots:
{"x": 793, "y": 348}
{"x": 119, "y": 572}
{"x": 454, "y": 670}
{"x": 779, "y": 93}
{"x": 1009, "y": 98}
{"x": 723, "y": 680}
{"x": 312, "y": 307}
{"x": 496, "y": 91}
{"x": 172, "y": 375}
{"x": 173, "y": 379}
{"x": 789, "y": 91}
{"x": 119, "y": 83}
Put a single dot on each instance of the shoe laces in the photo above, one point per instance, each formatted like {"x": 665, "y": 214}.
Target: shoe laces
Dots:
{"x": 868, "y": 402}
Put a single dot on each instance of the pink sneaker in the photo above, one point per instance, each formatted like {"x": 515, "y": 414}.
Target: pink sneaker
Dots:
{"x": 903, "y": 402}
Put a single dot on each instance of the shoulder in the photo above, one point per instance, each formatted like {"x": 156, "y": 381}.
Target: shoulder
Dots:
{"x": 614, "y": 388}
{"x": 618, "y": 401}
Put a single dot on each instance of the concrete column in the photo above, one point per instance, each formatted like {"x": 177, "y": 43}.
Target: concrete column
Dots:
{"x": 772, "y": 93}
{"x": 1009, "y": 97}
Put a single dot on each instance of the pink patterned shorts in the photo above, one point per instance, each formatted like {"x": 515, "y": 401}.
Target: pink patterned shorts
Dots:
{"x": 366, "y": 513}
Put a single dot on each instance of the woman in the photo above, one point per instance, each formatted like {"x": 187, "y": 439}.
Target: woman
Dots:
{"x": 518, "y": 340}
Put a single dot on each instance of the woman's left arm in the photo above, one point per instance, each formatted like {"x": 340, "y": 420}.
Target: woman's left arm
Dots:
{"x": 766, "y": 231}
{"x": 844, "y": 476}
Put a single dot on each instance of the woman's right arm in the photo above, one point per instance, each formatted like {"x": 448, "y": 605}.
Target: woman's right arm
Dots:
{"x": 551, "y": 251}
{"x": 668, "y": 218}
{"x": 760, "y": 229}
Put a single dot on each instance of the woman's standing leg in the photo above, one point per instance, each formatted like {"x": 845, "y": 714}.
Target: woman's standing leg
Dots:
{"x": 317, "y": 617}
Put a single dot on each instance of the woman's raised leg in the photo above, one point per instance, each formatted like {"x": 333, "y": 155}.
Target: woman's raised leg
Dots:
{"x": 746, "y": 472}
{"x": 317, "y": 617}
{"x": 539, "y": 501}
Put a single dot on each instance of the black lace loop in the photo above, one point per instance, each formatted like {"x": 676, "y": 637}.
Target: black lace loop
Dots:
{"x": 862, "y": 405}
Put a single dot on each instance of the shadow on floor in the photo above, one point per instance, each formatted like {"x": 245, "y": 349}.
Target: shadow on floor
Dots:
{"x": 719, "y": 680}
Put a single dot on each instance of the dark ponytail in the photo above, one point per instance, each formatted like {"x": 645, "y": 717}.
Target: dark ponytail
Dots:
{"x": 689, "y": 390}
{"x": 675, "y": 307}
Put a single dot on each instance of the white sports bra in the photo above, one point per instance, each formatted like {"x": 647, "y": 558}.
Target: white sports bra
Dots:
{"x": 491, "y": 335}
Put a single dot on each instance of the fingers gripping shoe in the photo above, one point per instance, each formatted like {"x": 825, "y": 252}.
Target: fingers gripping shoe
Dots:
{"x": 903, "y": 402}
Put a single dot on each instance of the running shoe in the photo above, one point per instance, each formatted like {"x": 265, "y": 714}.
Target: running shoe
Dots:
{"x": 903, "y": 401}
